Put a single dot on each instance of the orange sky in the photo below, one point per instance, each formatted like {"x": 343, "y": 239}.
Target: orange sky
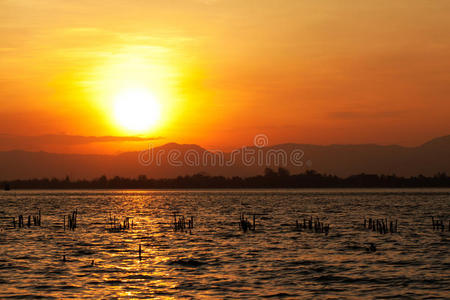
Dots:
{"x": 223, "y": 71}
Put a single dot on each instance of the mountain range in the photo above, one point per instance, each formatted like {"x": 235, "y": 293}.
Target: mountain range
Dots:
{"x": 172, "y": 160}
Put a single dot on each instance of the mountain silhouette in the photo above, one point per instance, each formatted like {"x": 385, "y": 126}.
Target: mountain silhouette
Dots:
{"x": 341, "y": 160}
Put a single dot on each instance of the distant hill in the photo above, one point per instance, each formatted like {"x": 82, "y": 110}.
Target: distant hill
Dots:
{"x": 341, "y": 160}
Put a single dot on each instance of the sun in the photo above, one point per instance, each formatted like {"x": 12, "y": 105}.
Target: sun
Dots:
{"x": 136, "y": 110}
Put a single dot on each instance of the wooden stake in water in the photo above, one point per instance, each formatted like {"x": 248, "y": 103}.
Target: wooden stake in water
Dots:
{"x": 140, "y": 252}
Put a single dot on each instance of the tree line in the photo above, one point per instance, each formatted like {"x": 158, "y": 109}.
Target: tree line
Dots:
{"x": 280, "y": 178}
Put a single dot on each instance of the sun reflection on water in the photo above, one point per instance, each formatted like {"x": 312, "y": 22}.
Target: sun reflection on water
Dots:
{"x": 216, "y": 260}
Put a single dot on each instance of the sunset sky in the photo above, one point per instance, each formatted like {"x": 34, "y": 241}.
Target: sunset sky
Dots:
{"x": 81, "y": 76}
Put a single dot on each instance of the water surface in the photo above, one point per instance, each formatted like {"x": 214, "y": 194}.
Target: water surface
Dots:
{"x": 216, "y": 259}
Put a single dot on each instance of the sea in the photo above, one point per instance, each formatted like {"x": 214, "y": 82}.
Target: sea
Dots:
{"x": 171, "y": 244}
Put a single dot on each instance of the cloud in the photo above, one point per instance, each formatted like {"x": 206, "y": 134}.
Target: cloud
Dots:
{"x": 351, "y": 115}
{"x": 25, "y": 142}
